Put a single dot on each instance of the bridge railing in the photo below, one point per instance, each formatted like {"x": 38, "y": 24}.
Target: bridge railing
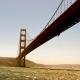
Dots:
{"x": 63, "y": 6}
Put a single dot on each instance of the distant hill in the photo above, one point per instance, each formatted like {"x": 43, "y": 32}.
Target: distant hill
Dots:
{"x": 64, "y": 66}
{"x": 6, "y": 61}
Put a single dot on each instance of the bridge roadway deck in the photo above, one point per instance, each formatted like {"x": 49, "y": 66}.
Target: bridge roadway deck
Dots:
{"x": 69, "y": 18}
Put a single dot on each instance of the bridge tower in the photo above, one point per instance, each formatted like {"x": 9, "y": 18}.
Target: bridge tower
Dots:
{"x": 22, "y": 46}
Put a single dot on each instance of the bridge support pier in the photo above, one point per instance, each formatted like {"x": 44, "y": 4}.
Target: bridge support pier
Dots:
{"x": 21, "y": 62}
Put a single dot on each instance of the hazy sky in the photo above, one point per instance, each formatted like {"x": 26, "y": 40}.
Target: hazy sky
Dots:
{"x": 34, "y": 14}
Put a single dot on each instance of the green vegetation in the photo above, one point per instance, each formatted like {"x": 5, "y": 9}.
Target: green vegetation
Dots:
{"x": 17, "y": 73}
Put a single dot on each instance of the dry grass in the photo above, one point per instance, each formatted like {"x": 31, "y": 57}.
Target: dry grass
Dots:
{"x": 17, "y": 73}
{"x": 37, "y": 72}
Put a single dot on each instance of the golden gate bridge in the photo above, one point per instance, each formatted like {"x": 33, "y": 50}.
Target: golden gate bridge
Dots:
{"x": 66, "y": 15}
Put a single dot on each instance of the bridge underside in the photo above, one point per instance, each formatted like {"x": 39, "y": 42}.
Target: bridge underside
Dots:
{"x": 69, "y": 18}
